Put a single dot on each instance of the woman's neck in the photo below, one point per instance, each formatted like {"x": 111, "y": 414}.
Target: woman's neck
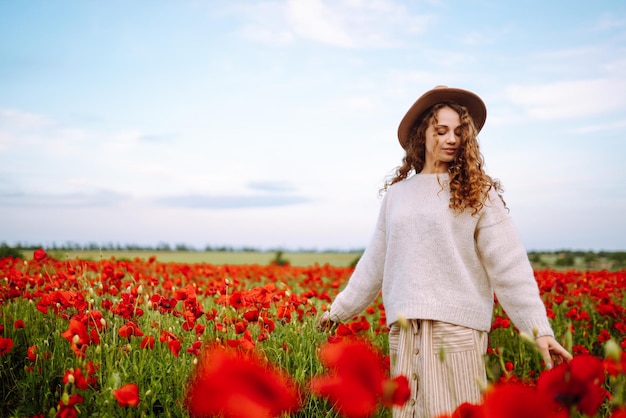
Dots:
{"x": 434, "y": 169}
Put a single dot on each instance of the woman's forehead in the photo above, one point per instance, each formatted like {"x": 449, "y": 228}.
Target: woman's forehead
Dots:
{"x": 448, "y": 117}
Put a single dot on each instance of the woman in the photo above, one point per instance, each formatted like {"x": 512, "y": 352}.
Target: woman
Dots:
{"x": 443, "y": 244}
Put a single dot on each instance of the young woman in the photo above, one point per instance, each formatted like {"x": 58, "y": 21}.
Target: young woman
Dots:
{"x": 443, "y": 244}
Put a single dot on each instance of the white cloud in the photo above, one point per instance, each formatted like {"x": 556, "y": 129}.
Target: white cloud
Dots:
{"x": 618, "y": 125}
{"x": 340, "y": 23}
{"x": 312, "y": 19}
{"x": 569, "y": 99}
{"x": 268, "y": 36}
{"x": 17, "y": 127}
{"x": 609, "y": 21}
{"x": 356, "y": 104}
{"x": 35, "y": 133}
{"x": 48, "y": 156}
{"x": 19, "y": 120}
{"x": 94, "y": 198}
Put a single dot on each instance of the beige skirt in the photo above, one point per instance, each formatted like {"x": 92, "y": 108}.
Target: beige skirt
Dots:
{"x": 445, "y": 365}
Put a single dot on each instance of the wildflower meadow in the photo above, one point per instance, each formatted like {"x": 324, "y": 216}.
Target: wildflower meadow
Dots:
{"x": 126, "y": 338}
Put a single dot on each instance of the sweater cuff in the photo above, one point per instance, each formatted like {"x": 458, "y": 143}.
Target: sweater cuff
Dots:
{"x": 539, "y": 329}
{"x": 336, "y": 314}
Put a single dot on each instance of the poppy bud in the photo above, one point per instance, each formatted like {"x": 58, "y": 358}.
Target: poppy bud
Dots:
{"x": 403, "y": 322}
{"x": 612, "y": 350}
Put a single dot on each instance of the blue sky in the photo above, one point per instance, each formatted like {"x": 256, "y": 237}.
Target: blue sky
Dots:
{"x": 273, "y": 123}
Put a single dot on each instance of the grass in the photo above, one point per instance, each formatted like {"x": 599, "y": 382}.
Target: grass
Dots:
{"x": 302, "y": 259}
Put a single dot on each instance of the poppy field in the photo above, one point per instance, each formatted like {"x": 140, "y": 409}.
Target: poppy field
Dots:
{"x": 147, "y": 338}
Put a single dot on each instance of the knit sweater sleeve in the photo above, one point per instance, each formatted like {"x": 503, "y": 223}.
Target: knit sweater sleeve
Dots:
{"x": 506, "y": 262}
{"x": 366, "y": 280}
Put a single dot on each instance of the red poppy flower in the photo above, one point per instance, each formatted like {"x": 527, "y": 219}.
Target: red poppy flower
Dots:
{"x": 199, "y": 328}
{"x": 352, "y": 328}
{"x": 167, "y": 305}
{"x": 76, "y": 377}
{"x": 129, "y": 329}
{"x": 195, "y": 348}
{"x": 172, "y": 342}
{"x": 91, "y": 370}
{"x": 244, "y": 342}
{"x": 147, "y": 342}
{"x": 32, "y": 353}
{"x": 267, "y": 324}
{"x": 234, "y": 384}
{"x": 513, "y": 400}
{"x": 466, "y": 410}
{"x": 127, "y": 395}
{"x": 6, "y": 344}
{"x": 236, "y": 300}
{"x": 619, "y": 413}
{"x": 67, "y": 406}
{"x": 357, "y": 380}
{"x": 396, "y": 391}
{"x": 616, "y": 365}
{"x": 604, "y": 336}
{"x": 500, "y": 322}
{"x": 577, "y": 383}
{"x": 96, "y": 319}
{"x": 579, "y": 349}
{"x": 19, "y": 324}
{"x": 190, "y": 320}
{"x": 509, "y": 366}
{"x": 77, "y": 336}
{"x": 240, "y": 327}
{"x": 251, "y": 315}
{"x": 76, "y": 333}
{"x": 174, "y": 346}
{"x": 40, "y": 254}
{"x": 94, "y": 336}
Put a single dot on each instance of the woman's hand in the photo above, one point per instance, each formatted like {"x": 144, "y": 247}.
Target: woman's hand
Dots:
{"x": 325, "y": 323}
{"x": 550, "y": 349}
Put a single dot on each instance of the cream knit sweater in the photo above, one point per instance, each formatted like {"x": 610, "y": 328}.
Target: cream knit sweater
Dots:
{"x": 434, "y": 263}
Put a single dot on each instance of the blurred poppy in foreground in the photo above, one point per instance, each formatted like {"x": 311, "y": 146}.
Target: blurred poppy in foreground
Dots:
{"x": 357, "y": 382}
{"x": 466, "y": 410}
{"x": 578, "y": 383}
{"x": 508, "y": 400}
{"x": 515, "y": 400}
{"x": 619, "y": 413}
{"x": 232, "y": 384}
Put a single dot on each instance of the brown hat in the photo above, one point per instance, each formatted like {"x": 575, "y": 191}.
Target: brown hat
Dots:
{"x": 471, "y": 101}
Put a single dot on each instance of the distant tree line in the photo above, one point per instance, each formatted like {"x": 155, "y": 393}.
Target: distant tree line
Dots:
{"x": 569, "y": 258}
{"x": 162, "y": 246}
{"x": 92, "y": 246}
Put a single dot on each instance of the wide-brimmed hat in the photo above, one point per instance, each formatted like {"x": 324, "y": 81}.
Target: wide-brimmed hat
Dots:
{"x": 474, "y": 104}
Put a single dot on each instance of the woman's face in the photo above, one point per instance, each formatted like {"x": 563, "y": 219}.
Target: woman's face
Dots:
{"x": 442, "y": 141}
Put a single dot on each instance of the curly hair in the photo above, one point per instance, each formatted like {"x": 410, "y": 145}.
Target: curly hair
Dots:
{"x": 469, "y": 184}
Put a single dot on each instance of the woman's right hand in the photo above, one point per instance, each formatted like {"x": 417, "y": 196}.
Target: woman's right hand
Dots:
{"x": 325, "y": 323}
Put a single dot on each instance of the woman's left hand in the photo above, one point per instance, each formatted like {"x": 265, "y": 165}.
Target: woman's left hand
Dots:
{"x": 325, "y": 323}
{"x": 550, "y": 349}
